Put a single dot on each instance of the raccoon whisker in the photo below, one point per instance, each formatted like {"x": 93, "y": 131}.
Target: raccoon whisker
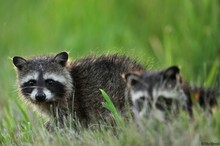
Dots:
{"x": 28, "y": 94}
{"x": 24, "y": 88}
{"x": 60, "y": 93}
{"x": 32, "y": 87}
{"x": 16, "y": 90}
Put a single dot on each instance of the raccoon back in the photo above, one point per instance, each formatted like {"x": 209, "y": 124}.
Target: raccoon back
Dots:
{"x": 91, "y": 74}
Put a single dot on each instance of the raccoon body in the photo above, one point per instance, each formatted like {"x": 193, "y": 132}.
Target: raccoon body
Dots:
{"x": 91, "y": 74}
{"x": 58, "y": 87}
{"x": 207, "y": 98}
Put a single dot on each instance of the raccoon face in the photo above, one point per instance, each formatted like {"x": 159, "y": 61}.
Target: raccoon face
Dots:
{"x": 149, "y": 89}
{"x": 44, "y": 79}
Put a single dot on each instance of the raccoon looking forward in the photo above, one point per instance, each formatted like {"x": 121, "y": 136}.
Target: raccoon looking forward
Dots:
{"x": 154, "y": 93}
{"x": 58, "y": 87}
{"x": 160, "y": 91}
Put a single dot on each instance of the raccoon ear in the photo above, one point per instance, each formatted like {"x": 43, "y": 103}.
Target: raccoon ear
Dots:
{"x": 131, "y": 78}
{"x": 61, "y": 58}
{"x": 19, "y": 62}
{"x": 171, "y": 72}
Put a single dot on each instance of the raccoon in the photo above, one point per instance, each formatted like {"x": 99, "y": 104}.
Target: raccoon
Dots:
{"x": 58, "y": 88}
{"x": 154, "y": 92}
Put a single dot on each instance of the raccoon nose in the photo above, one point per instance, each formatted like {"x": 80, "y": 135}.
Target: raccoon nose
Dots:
{"x": 40, "y": 96}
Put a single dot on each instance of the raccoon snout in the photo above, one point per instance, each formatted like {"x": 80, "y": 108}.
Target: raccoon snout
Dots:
{"x": 40, "y": 96}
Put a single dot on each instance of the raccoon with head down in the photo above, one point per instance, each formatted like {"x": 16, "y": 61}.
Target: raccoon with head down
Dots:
{"x": 58, "y": 88}
{"x": 154, "y": 93}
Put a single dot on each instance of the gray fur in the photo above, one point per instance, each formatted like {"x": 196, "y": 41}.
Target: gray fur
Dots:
{"x": 83, "y": 78}
{"x": 146, "y": 88}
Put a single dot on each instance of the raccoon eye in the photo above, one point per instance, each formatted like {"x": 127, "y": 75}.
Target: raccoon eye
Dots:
{"x": 142, "y": 98}
{"x": 50, "y": 82}
{"x": 32, "y": 82}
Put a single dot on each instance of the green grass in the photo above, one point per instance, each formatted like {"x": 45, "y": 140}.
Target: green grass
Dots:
{"x": 110, "y": 106}
{"x": 157, "y": 33}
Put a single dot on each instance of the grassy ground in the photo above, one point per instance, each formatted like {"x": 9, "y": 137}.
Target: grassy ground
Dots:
{"x": 157, "y": 33}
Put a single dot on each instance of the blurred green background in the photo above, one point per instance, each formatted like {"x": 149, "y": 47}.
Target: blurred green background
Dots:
{"x": 155, "y": 32}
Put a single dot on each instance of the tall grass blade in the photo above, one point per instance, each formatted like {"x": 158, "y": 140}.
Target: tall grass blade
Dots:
{"x": 212, "y": 74}
{"x": 24, "y": 113}
{"x": 110, "y": 106}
